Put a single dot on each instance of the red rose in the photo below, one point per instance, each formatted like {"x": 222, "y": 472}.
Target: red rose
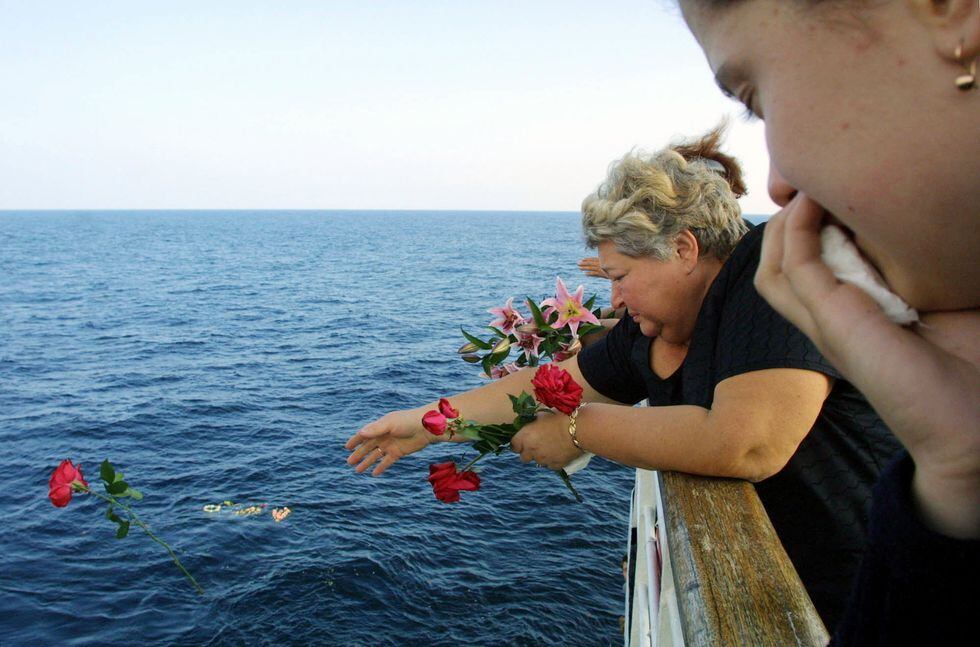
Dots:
{"x": 435, "y": 422}
{"x": 59, "y": 487}
{"x": 554, "y": 387}
{"x": 447, "y": 409}
{"x": 447, "y": 481}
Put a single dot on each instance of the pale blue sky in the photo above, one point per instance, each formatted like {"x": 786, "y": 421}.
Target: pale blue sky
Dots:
{"x": 344, "y": 104}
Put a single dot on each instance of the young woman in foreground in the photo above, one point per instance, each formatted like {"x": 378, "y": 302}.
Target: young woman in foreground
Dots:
{"x": 734, "y": 389}
{"x": 873, "y": 120}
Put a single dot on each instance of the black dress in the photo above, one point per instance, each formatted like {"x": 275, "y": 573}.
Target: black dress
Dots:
{"x": 915, "y": 586}
{"x": 818, "y": 503}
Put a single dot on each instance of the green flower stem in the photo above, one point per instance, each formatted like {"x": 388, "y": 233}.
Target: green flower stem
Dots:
{"x": 473, "y": 462}
{"x": 563, "y": 475}
{"x": 111, "y": 500}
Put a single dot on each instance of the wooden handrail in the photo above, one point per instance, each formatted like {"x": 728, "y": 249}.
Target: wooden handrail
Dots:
{"x": 735, "y": 584}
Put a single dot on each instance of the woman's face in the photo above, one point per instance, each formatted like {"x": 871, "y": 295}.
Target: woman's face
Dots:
{"x": 659, "y": 295}
{"x": 861, "y": 117}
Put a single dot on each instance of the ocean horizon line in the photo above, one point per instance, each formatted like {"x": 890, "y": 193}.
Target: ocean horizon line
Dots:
{"x": 753, "y": 217}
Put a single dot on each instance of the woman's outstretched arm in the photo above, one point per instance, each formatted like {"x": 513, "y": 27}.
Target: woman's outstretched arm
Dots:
{"x": 401, "y": 433}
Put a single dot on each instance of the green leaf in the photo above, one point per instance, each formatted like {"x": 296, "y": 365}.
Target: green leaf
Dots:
{"x": 536, "y": 314}
{"x": 136, "y": 494}
{"x": 588, "y": 304}
{"x": 476, "y": 340}
{"x": 118, "y": 477}
{"x": 123, "y": 529}
{"x": 118, "y": 487}
{"x": 106, "y": 472}
{"x": 498, "y": 332}
{"x": 114, "y": 517}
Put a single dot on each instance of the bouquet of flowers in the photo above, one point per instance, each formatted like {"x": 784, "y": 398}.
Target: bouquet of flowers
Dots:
{"x": 67, "y": 479}
{"x": 552, "y": 331}
{"x": 554, "y": 389}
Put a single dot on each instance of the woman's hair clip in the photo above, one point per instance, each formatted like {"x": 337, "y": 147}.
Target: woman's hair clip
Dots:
{"x": 714, "y": 165}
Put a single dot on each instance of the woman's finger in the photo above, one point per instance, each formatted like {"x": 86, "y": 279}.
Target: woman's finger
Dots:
{"x": 771, "y": 280}
{"x": 771, "y": 256}
{"x": 374, "y": 429}
{"x": 354, "y": 441}
{"x": 360, "y": 452}
{"x": 387, "y": 461}
{"x": 809, "y": 277}
{"x": 370, "y": 459}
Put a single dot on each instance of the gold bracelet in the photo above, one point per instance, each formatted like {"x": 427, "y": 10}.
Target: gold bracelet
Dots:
{"x": 571, "y": 425}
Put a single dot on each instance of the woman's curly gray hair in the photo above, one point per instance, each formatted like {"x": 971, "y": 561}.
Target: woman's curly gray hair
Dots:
{"x": 648, "y": 199}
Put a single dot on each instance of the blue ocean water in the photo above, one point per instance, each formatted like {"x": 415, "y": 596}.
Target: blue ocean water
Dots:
{"x": 227, "y": 356}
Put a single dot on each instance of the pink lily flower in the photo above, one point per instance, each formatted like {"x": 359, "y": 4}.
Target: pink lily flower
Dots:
{"x": 569, "y": 307}
{"x": 498, "y": 371}
{"x": 507, "y": 317}
{"x": 529, "y": 344}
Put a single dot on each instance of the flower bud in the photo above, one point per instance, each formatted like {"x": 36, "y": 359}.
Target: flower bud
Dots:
{"x": 501, "y": 346}
{"x": 472, "y": 358}
{"x": 434, "y": 422}
{"x": 528, "y": 329}
{"x": 468, "y": 348}
{"x": 446, "y": 409}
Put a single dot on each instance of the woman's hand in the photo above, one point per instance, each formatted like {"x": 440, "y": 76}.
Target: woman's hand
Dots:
{"x": 924, "y": 382}
{"x": 796, "y": 282}
{"x": 386, "y": 440}
{"x": 591, "y": 267}
{"x": 546, "y": 442}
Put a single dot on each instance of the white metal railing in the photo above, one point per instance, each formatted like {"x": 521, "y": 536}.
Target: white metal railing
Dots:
{"x": 653, "y": 619}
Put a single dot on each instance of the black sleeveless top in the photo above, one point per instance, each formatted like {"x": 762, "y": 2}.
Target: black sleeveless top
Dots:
{"x": 818, "y": 503}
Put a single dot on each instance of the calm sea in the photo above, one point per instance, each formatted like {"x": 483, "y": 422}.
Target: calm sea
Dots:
{"x": 227, "y": 356}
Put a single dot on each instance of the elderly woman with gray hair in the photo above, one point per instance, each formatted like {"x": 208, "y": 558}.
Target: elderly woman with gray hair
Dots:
{"x": 734, "y": 389}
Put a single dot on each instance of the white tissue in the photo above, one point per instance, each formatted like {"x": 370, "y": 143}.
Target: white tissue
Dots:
{"x": 579, "y": 463}
{"x": 844, "y": 259}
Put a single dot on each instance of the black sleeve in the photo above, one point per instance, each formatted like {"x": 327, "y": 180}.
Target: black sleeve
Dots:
{"x": 608, "y": 367}
{"x": 753, "y": 335}
{"x": 915, "y": 586}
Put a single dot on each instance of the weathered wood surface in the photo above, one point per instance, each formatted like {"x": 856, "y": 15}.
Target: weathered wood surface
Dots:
{"x": 734, "y": 582}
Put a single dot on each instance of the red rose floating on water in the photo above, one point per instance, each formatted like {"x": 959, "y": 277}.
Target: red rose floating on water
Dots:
{"x": 60, "y": 484}
{"x": 555, "y": 388}
{"x": 447, "y": 481}
{"x": 67, "y": 478}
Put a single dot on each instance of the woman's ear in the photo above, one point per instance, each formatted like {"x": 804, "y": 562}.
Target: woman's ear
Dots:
{"x": 687, "y": 249}
{"x": 953, "y": 24}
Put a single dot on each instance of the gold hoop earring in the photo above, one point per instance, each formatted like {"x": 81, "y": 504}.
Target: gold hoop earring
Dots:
{"x": 966, "y": 81}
